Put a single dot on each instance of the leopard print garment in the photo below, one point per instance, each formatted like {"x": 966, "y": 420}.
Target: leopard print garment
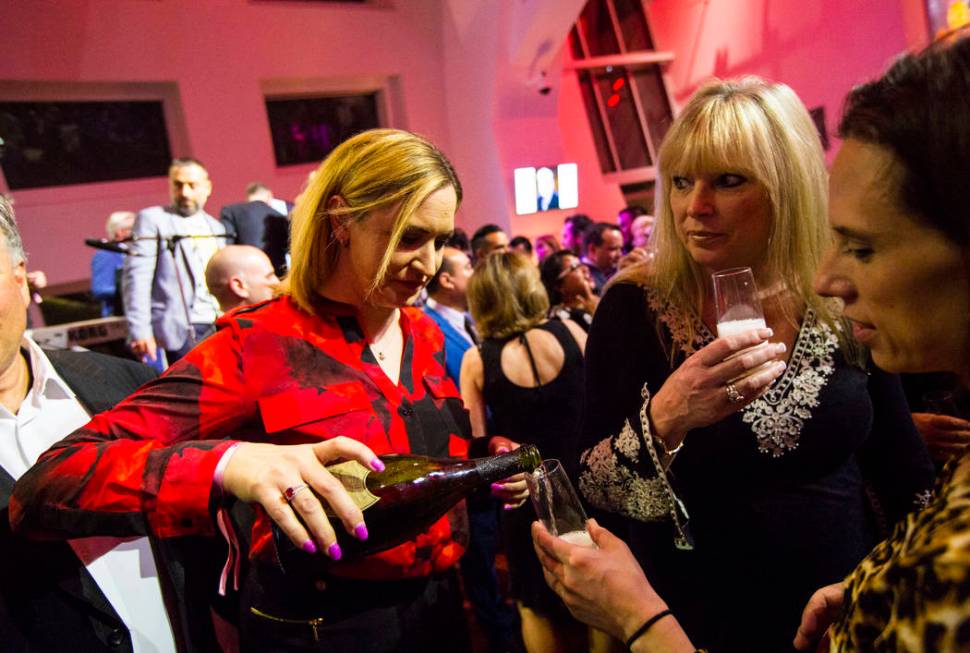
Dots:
{"x": 912, "y": 593}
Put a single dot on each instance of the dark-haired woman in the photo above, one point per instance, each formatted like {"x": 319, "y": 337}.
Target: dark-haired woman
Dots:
{"x": 569, "y": 285}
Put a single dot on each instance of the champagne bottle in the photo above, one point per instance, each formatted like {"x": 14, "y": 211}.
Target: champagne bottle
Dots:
{"x": 410, "y": 494}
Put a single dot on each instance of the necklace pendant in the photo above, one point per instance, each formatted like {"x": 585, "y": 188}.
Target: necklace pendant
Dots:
{"x": 380, "y": 356}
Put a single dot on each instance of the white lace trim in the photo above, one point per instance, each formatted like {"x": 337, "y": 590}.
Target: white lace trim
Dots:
{"x": 608, "y": 483}
{"x": 777, "y": 417}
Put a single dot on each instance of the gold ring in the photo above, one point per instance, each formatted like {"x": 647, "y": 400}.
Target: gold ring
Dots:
{"x": 734, "y": 396}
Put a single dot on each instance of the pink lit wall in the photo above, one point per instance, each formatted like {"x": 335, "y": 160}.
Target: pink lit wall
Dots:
{"x": 462, "y": 72}
{"x": 821, "y": 49}
{"x": 220, "y": 53}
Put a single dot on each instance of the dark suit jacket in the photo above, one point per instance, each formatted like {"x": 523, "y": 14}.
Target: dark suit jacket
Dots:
{"x": 49, "y": 601}
{"x": 257, "y": 224}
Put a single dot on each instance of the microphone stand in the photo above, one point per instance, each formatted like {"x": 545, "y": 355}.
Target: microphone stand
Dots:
{"x": 166, "y": 243}
{"x": 171, "y": 244}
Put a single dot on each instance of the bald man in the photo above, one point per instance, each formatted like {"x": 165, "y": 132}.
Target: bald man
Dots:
{"x": 239, "y": 275}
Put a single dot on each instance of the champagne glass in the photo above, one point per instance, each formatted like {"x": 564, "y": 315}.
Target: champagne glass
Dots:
{"x": 737, "y": 303}
{"x": 942, "y": 402}
{"x": 556, "y": 503}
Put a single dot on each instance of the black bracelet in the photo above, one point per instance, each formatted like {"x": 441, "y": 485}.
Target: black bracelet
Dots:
{"x": 639, "y": 632}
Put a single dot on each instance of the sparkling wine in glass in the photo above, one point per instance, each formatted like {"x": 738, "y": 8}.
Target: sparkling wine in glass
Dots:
{"x": 556, "y": 503}
{"x": 736, "y": 301}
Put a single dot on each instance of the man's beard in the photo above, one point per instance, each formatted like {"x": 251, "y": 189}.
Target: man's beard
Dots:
{"x": 186, "y": 209}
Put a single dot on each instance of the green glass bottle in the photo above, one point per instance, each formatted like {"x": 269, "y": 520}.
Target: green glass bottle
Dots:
{"x": 407, "y": 497}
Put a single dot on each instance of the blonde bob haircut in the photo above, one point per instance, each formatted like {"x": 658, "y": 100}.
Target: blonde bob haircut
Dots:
{"x": 506, "y": 296}
{"x": 375, "y": 169}
{"x": 762, "y": 131}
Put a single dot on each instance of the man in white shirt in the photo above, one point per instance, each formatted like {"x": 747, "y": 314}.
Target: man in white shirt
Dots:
{"x": 167, "y": 303}
{"x": 90, "y": 594}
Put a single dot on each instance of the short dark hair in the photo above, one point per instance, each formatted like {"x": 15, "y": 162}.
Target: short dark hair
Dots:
{"x": 594, "y": 235}
{"x": 521, "y": 241}
{"x": 919, "y": 110}
{"x": 578, "y": 222}
{"x": 634, "y": 209}
{"x": 435, "y": 284}
{"x": 185, "y": 161}
{"x": 255, "y": 187}
{"x": 549, "y": 271}
{"x": 478, "y": 238}
{"x": 10, "y": 232}
{"x": 459, "y": 240}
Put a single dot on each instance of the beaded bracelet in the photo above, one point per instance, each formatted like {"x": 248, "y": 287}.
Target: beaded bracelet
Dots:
{"x": 639, "y": 632}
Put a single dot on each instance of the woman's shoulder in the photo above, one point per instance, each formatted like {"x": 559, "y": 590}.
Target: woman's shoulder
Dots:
{"x": 273, "y": 314}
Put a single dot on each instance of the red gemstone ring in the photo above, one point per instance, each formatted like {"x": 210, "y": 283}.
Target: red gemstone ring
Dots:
{"x": 290, "y": 493}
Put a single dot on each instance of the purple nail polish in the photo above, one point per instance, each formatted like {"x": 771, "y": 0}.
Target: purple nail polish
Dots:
{"x": 309, "y": 546}
{"x": 377, "y": 465}
{"x": 497, "y": 486}
{"x": 334, "y": 551}
{"x": 360, "y": 530}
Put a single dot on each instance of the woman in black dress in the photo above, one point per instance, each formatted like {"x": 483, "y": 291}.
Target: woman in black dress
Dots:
{"x": 527, "y": 377}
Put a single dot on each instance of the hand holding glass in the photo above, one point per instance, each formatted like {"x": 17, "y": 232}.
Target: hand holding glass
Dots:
{"x": 737, "y": 303}
{"x": 556, "y": 503}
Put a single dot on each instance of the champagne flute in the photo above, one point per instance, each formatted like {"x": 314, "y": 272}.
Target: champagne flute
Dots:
{"x": 737, "y": 303}
{"x": 556, "y": 503}
{"x": 942, "y": 402}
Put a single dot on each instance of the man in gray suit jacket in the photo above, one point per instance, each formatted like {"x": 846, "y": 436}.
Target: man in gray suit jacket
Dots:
{"x": 167, "y": 303}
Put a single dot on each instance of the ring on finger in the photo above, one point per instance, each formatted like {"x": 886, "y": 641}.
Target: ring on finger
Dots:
{"x": 733, "y": 395}
{"x": 290, "y": 493}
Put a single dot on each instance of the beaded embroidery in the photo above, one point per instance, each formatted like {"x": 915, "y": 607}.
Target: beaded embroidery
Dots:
{"x": 777, "y": 417}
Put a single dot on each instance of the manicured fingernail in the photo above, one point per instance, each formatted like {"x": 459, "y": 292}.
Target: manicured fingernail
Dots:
{"x": 334, "y": 551}
{"x": 780, "y": 348}
{"x": 766, "y": 333}
{"x": 502, "y": 450}
{"x": 497, "y": 486}
{"x": 360, "y": 530}
{"x": 377, "y": 465}
{"x": 781, "y": 366}
{"x": 309, "y": 546}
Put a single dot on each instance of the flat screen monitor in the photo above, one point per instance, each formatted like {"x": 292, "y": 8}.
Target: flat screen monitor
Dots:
{"x": 546, "y": 188}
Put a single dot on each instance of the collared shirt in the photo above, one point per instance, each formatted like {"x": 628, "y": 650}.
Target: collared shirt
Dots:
{"x": 123, "y": 568}
{"x": 452, "y": 316}
{"x": 205, "y": 308}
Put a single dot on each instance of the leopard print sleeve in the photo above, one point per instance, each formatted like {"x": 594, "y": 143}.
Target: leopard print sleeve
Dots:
{"x": 912, "y": 593}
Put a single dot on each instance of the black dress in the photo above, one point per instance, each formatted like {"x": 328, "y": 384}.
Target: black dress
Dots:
{"x": 777, "y": 494}
{"x": 548, "y": 416}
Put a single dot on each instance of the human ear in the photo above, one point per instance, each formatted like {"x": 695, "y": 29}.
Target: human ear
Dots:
{"x": 338, "y": 220}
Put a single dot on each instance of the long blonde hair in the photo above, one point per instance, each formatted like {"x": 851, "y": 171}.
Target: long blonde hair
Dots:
{"x": 506, "y": 296}
{"x": 375, "y": 169}
{"x": 763, "y": 131}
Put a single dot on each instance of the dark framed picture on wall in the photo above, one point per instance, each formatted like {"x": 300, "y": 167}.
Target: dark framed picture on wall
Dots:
{"x": 59, "y": 143}
{"x": 306, "y": 129}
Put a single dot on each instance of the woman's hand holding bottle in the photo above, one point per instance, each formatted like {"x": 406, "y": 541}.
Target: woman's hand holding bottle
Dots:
{"x": 275, "y": 476}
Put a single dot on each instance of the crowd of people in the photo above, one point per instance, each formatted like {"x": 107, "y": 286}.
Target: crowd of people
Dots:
{"x": 769, "y": 490}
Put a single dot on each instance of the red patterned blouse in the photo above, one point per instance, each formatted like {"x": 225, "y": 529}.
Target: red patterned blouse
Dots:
{"x": 271, "y": 373}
